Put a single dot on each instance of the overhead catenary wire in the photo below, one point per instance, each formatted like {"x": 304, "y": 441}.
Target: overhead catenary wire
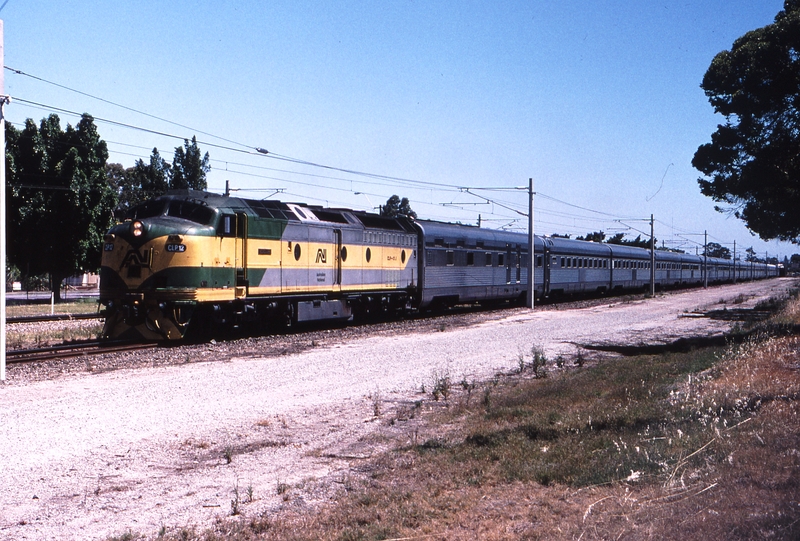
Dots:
{"x": 254, "y": 150}
{"x": 514, "y": 207}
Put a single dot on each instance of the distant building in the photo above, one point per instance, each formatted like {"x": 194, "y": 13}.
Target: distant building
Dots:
{"x": 83, "y": 281}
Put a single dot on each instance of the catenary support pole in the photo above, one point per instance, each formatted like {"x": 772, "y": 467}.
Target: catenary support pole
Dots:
{"x": 705, "y": 259}
{"x": 652, "y": 259}
{"x": 734, "y": 261}
{"x": 531, "y": 255}
{"x": 3, "y": 101}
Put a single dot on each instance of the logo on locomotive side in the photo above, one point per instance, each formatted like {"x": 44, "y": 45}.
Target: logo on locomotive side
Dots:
{"x": 133, "y": 257}
{"x": 322, "y": 255}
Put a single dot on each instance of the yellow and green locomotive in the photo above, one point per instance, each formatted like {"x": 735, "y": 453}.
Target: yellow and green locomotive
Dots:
{"x": 194, "y": 261}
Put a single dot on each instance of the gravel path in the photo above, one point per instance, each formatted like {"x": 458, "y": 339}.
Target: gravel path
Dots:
{"x": 89, "y": 455}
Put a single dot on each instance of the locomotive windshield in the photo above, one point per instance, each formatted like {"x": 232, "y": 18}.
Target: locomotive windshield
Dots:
{"x": 189, "y": 210}
{"x": 178, "y": 208}
{"x": 148, "y": 209}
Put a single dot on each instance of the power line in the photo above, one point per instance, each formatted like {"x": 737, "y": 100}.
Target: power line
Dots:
{"x": 258, "y": 150}
{"x": 20, "y": 72}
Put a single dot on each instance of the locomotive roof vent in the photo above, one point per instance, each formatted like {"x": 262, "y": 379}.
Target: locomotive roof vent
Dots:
{"x": 303, "y": 213}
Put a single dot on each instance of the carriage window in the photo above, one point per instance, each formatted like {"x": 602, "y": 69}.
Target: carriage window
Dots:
{"x": 451, "y": 258}
{"x": 470, "y": 259}
{"x": 539, "y": 261}
{"x": 488, "y": 259}
{"x": 501, "y": 260}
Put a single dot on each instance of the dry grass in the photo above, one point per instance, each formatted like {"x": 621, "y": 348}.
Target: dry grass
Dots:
{"x": 80, "y": 306}
{"x": 19, "y": 338}
{"x": 699, "y": 445}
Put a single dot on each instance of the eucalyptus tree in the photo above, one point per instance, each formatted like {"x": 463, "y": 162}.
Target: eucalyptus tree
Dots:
{"x": 189, "y": 168}
{"x": 59, "y": 199}
{"x": 751, "y": 165}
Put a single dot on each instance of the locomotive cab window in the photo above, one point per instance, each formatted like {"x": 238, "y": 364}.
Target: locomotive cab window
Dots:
{"x": 227, "y": 226}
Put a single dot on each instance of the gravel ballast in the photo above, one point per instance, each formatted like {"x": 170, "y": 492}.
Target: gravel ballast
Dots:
{"x": 100, "y": 448}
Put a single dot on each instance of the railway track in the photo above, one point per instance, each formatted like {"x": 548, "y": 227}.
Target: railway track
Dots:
{"x": 54, "y": 317}
{"x": 78, "y": 349}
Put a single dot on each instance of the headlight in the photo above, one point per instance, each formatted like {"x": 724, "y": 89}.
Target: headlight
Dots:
{"x": 138, "y": 228}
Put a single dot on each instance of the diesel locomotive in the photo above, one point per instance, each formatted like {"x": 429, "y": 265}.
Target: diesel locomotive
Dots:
{"x": 192, "y": 262}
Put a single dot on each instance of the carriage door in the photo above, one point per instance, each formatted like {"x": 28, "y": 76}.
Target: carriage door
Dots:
{"x": 508, "y": 263}
{"x": 337, "y": 260}
{"x": 545, "y": 270}
{"x": 241, "y": 252}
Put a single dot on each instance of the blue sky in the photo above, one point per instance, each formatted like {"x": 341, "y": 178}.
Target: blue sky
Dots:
{"x": 599, "y": 101}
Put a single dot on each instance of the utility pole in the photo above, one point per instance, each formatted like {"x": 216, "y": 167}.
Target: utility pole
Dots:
{"x": 652, "y": 259}
{"x": 531, "y": 256}
{"x": 705, "y": 259}
{"x": 734, "y": 261}
{"x": 3, "y": 101}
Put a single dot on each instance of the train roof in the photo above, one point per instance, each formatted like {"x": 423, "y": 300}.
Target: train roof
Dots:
{"x": 469, "y": 236}
{"x": 273, "y": 209}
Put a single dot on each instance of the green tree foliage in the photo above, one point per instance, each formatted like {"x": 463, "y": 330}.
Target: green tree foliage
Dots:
{"x": 751, "y": 255}
{"x": 397, "y": 207}
{"x": 638, "y": 242}
{"x": 714, "y": 249}
{"x": 59, "y": 198}
{"x": 142, "y": 181}
{"x": 751, "y": 164}
{"x": 188, "y": 167}
{"x": 596, "y": 236}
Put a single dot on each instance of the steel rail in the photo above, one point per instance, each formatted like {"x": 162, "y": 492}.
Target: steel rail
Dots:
{"x": 78, "y": 349}
{"x": 54, "y": 317}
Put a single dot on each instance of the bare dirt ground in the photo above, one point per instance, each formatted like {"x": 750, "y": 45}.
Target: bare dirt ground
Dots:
{"x": 87, "y": 454}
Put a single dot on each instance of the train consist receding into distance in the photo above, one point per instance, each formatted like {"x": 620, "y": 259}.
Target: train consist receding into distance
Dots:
{"x": 194, "y": 262}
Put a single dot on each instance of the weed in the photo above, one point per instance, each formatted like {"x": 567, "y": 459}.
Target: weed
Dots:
{"x": 249, "y": 493}
{"x": 468, "y": 387}
{"x": 560, "y": 361}
{"x": 282, "y": 488}
{"x": 376, "y": 402}
{"x": 235, "y": 501}
{"x": 520, "y": 362}
{"x": 441, "y": 385}
{"x": 579, "y": 358}
{"x": 539, "y": 362}
{"x": 227, "y": 454}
